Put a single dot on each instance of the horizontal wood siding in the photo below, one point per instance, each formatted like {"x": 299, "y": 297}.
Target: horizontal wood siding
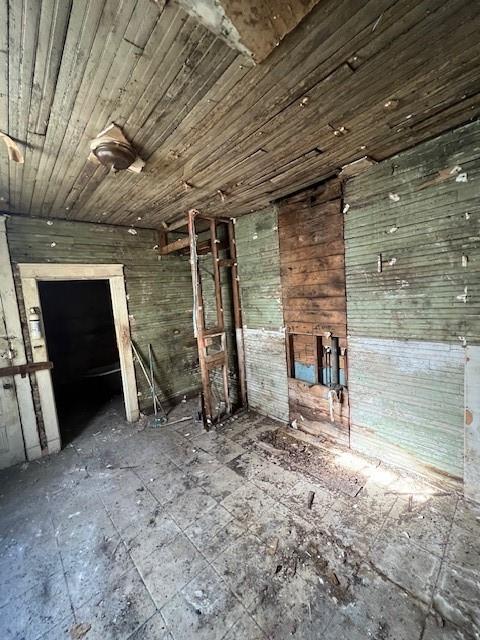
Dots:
{"x": 406, "y": 402}
{"x": 260, "y": 293}
{"x": 413, "y": 301}
{"x": 420, "y": 212}
{"x": 159, "y": 289}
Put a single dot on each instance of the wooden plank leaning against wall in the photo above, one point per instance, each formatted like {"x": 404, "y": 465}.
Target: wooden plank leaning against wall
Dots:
{"x": 312, "y": 264}
{"x": 20, "y": 426}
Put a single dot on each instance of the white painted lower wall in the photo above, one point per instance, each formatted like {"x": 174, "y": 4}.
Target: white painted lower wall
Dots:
{"x": 266, "y": 372}
{"x": 472, "y": 423}
{"x": 407, "y": 403}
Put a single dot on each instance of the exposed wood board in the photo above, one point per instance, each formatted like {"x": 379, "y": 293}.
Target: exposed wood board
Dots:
{"x": 178, "y": 59}
{"x": 347, "y": 94}
{"x": 472, "y": 423}
{"x": 29, "y": 297}
{"x": 175, "y": 110}
{"x": 82, "y": 27}
{"x": 105, "y": 56}
{"x": 262, "y": 25}
{"x": 250, "y": 115}
{"x": 266, "y": 88}
{"x": 261, "y": 298}
{"x": 13, "y": 327}
{"x": 167, "y": 29}
{"x": 341, "y": 102}
{"x": 310, "y": 230}
{"x": 22, "y": 42}
{"x": 251, "y": 27}
{"x": 51, "y": 37}
{"x": 185, "y": 69}
{"x": 4, "y": 87}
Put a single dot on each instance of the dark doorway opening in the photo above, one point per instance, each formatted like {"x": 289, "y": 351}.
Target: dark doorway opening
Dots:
{"x": 81, "y": 342}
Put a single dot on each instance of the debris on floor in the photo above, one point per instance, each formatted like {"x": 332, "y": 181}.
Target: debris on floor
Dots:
{"x": 310, "y": 460}
{"x": 192, "y": 535}
{"x": 79, "y": 630}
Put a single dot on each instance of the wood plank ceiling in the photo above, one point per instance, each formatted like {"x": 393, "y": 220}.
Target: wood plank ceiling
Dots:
{"x": 353, "y": 79}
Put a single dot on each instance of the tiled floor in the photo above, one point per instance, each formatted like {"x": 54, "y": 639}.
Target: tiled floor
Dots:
{"x": 172, "y": 533}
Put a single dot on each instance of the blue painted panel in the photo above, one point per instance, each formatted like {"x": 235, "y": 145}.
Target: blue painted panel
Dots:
{"x": 305, "y": 372}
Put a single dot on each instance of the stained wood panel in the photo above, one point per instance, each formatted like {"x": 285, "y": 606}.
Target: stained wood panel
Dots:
{"x": 310, "y": 229}
{"x": 238, "y": 136}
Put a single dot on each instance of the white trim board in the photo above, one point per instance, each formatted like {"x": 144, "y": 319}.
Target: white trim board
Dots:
{"x": 13, "y": 326}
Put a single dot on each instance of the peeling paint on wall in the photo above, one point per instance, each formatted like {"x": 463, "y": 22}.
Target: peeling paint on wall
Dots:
{"x": 406, "y": 402}
{"x": 412, "y": 301}
{"x": 159, "y": 292}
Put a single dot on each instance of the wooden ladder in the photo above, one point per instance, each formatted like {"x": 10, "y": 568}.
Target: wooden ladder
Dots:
{"x": 207, "y": 336}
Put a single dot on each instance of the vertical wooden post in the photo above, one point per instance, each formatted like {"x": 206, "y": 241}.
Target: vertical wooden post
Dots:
{"x": 199, "y": 321}
{"x": 290, "y": 355}
{"x": 216, "y": 274}
{"x": 237, "y": 313}
{"x": 219, "y": 308}
{"x": 319, "y": 358}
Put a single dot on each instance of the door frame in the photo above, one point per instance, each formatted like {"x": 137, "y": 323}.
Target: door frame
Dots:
{"x": 30, "y": 276}
{"x": 23, "y": 389}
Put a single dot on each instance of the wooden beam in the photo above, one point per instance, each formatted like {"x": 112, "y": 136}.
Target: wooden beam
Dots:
{"x": 237, "y": 311}
{"x": 23, "y": 369}
{"x": 177, "y": 245}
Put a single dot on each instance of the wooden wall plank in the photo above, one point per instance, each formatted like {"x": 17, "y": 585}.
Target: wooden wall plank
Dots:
{"x": 261, "y": 301}
{"x": 417, "y": 211}
{"x": 311, "y": 235}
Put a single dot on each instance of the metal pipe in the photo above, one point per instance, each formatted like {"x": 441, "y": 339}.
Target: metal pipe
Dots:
{"x": 335, "y": 362}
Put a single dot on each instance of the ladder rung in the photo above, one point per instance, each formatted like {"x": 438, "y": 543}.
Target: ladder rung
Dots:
{"x": 211, "y": 333}
{"x": 217, "y": 360}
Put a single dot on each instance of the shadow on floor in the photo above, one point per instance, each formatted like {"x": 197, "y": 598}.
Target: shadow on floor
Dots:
{"x": 78, "y": 405}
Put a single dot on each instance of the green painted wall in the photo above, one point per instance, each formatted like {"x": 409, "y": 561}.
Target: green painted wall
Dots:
{"x": 262, "y": 311}
{"x": 417, "y": 213}
{"x": 159, "y": 288}
{"x": 420, "y": 211}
